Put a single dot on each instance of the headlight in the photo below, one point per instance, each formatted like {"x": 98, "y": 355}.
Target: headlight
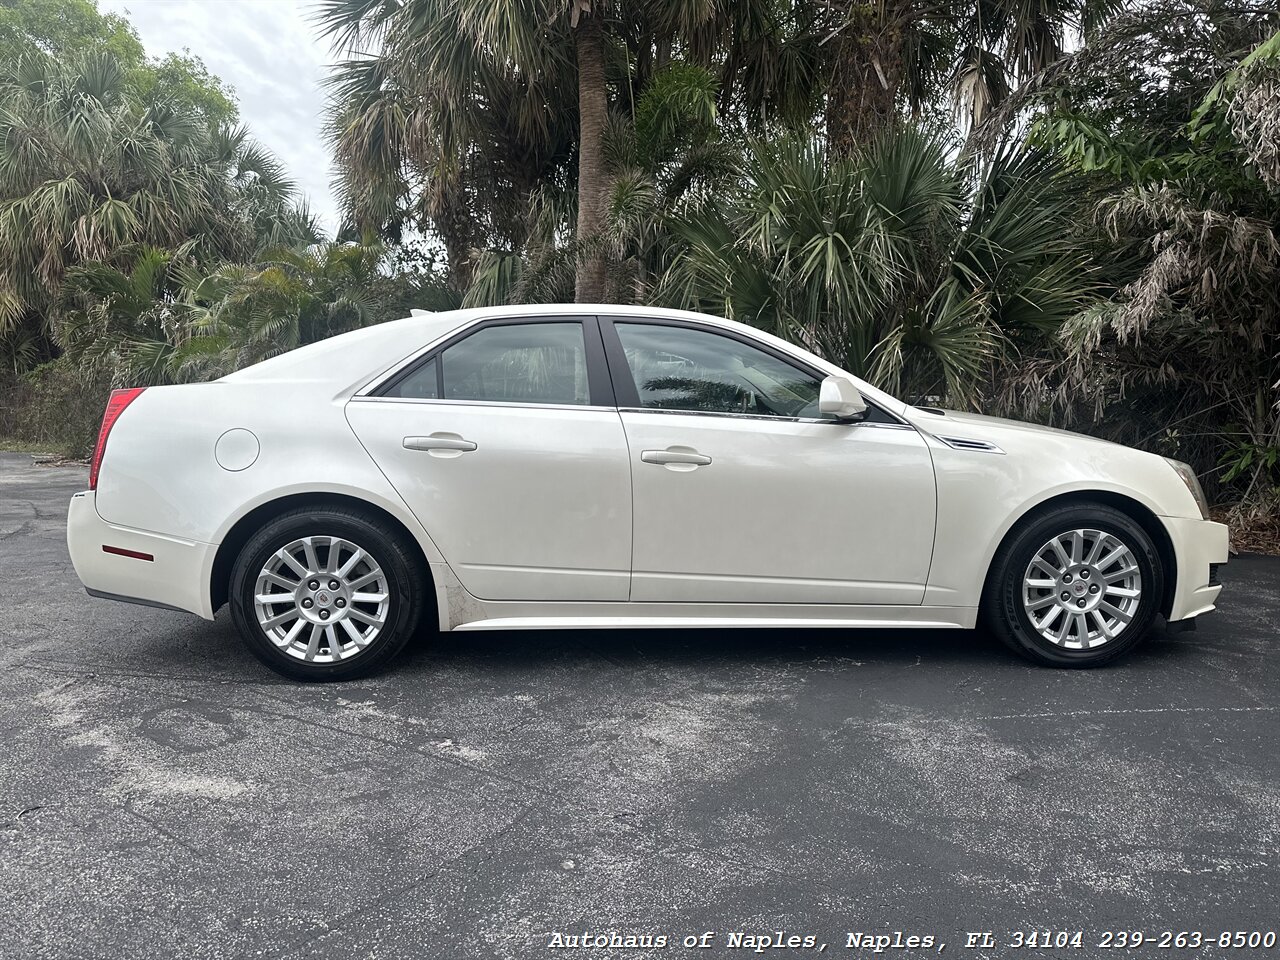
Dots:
{"x": 1193, "y": 484}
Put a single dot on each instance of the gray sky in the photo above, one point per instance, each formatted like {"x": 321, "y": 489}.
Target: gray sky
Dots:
{"x": 268, "y": 51}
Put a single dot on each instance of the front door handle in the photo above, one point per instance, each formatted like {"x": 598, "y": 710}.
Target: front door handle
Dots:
{"x": 440, "y": 441}
{"x": 682, "y": 455}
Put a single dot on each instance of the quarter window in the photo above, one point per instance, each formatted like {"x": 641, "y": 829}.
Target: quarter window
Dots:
{"x": 679, "y": 368}
{"x": 421, "y": 384}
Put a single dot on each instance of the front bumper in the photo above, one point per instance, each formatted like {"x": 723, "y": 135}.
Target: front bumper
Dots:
{"x": 1198, "y": 546}
{"x": 177, "y": 575}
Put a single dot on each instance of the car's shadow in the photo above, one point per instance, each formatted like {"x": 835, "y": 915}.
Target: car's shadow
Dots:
{"x": 499, "y": 649}
{"x": 726, "y": 645}
{"x": 200, "y": 650}
{"x": 695, "y": 644}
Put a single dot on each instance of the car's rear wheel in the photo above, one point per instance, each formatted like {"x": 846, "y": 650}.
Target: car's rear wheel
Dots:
{"x": 1075, "y": 587}
{"x": 326, "y": 594}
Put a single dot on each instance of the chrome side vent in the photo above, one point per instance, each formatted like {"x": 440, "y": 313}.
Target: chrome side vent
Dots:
{"x": 968, "y": 443}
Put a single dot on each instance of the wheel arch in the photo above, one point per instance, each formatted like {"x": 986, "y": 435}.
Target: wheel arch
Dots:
{"x": 1135, "y": 510}
{"x": 244, "y": 528}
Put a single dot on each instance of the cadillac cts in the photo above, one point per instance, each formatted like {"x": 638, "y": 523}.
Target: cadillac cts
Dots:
{"x": 578, "y": 466}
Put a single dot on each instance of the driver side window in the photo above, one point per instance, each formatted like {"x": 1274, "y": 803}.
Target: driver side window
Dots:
{"x": 680, "y": 368}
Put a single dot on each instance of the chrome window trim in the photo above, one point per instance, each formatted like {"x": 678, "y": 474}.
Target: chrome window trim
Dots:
{"x": 764, "y": 416}
{"x": 502, "y": 404}
{"x": 514, "y": 405}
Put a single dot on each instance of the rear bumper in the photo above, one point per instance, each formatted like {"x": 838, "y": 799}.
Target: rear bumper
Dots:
{"x": 176, "y": 576}
{"x": 1198, "y": 545}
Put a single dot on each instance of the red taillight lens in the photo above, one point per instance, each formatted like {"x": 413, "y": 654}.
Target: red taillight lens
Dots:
{"x": 115, "y": 406}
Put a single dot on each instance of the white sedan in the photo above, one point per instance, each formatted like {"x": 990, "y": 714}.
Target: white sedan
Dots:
{"x": 604, "y": 466}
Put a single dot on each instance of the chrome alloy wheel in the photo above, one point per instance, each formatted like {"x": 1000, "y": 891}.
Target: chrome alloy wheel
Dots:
{"x": 321, "y": 599}
{"x": 1082, "y": 589}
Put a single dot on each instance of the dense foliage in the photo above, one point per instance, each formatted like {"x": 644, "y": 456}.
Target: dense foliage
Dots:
{"x": 1062, "y": 210}
{"x": 1182, "y": 352}
{"x": 88, "y": 169}
{"x": 144, "y": 235}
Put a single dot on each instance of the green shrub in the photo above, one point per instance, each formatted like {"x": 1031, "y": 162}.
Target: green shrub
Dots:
{"x": 57, "y": 406}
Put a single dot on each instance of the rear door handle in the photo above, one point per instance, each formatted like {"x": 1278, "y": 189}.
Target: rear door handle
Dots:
{"x": 686, "y": 456}
{"x": 440, "y": 442}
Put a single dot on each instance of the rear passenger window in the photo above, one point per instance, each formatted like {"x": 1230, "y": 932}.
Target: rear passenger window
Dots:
{"x": 519, "y": 363}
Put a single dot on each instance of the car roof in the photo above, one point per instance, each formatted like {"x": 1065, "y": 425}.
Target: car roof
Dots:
{"x": 370, "y": 349}
{"x": 351, "y": 359}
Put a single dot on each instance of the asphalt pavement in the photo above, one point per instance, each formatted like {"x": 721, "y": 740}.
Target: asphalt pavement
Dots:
{"x": 164, "y": 795}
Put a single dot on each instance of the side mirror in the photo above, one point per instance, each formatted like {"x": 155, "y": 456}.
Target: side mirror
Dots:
{"x": 840, "y": 398}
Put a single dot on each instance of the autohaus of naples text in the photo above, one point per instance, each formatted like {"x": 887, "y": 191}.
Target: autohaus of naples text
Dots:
{"x": 741, "y": 940}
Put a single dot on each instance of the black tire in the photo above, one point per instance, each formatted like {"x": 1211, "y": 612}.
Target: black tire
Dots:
{"x": 406, "y": 580}
{"x": 1003, "y": 609}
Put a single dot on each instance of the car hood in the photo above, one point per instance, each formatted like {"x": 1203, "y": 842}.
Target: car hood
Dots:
{"x": 962, "y": 424}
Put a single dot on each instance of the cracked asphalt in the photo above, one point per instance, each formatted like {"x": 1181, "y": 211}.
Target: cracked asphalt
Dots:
{"x": 163, "y": 795}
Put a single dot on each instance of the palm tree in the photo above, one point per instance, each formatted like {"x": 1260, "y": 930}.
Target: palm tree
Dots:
{"x": 156, "y": 316}
{"x": 884, "y": 55}
{"x": 124, "y": 321}
{"x": 459, "y": 116}
{"x": 474, "y": 119}
{"x": 899, "y": 262}
{"x": 593, "y": 110}
{"x": 657, "y": 157}
{"x": 240, "y": 314}
{"x": 87, "y": 170}
{"x": 670, "y": 155}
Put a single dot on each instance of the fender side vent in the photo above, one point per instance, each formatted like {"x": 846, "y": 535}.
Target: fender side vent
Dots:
{"x": 1213, "y": 574}
{"x": 967, "y": 443}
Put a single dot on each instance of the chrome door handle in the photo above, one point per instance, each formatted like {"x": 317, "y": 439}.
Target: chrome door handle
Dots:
{"x": 437, "y": 442}
{"x": 674, "y": 456}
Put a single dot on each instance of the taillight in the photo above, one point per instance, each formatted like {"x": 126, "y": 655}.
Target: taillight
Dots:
{"x": 115, "y": 406}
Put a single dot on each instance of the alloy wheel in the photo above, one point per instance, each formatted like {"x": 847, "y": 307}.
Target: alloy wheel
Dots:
{"x": 321, "y": 599}
{"x": 1082, "y": 589}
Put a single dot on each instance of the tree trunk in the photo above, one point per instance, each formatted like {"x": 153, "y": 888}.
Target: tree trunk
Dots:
{"x": 592, "y": 107}
{"x": 866, "y": 75}
{"x": 450, "y": 214}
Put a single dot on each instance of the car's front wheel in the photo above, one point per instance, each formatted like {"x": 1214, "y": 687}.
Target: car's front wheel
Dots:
{"x": 326, "y": 594}
{"x": 1076, "y": 587}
